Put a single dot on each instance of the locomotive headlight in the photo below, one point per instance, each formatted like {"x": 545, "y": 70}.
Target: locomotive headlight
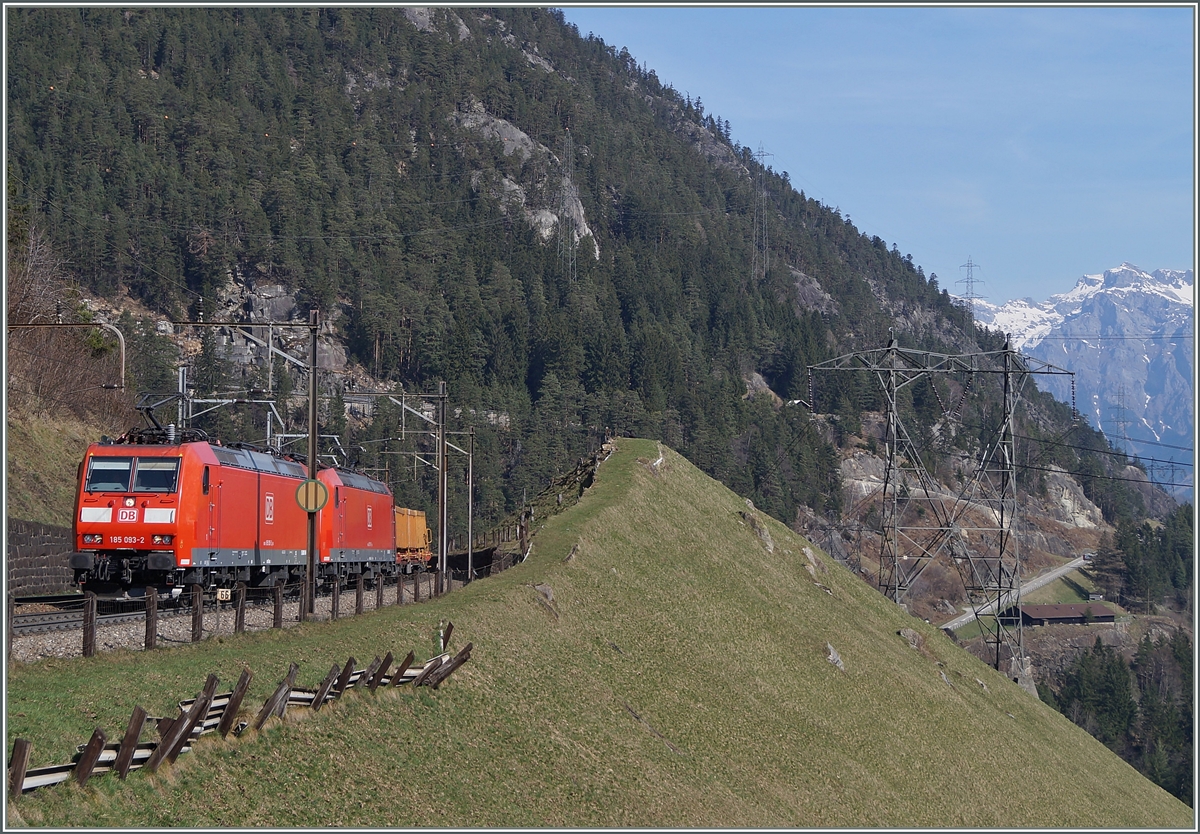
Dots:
{"x": 129, "y": 502}
{"x": 162, "y": 538}
{"x": 92, "y": 538}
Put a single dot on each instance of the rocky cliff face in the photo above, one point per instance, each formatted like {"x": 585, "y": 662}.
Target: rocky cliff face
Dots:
{"x": 256, "y": 303}
{"x": 1055, "y": 522}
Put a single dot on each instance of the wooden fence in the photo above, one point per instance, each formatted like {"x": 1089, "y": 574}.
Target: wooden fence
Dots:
{"x": 505, "y": 537}
{"x": 210, "y": 712}
{"x": 405, "y": 591}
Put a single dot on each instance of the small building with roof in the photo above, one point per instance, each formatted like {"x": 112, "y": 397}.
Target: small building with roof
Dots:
{"x": 1073, "y": 612}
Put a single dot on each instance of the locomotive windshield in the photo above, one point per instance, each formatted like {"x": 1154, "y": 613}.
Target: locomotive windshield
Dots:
{"x": 148, "y": 474}
{"x": 156, "y": 474}
{"x": 109, "y": 475}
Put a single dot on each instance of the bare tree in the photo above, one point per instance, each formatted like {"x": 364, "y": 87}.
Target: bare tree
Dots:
{"x": 34, "y": 279}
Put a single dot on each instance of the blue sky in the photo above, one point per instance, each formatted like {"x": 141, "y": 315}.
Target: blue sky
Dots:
{"x": 1039, "y": 143}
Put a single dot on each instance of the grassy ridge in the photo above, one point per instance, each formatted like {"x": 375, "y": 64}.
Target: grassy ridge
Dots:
{"x": 671, "y": 672}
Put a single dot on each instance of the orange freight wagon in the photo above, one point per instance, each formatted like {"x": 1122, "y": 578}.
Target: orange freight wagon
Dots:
{"x": 413, "y": 540}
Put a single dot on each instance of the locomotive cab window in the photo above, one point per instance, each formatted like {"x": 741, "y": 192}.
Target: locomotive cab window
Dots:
{"x": 156, "y": 475}
{"x": 109, "y": 475}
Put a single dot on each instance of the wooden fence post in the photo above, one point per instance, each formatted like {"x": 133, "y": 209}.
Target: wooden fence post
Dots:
{"x": 430, "y": 667}
{"x": 195, "y": 715}
{"x": 400, "y": 589}
{"x": 378, "y": 591}
{"x": 89, "y": 624}
{"x": 8, "y": 628}
{"x": 402, "y": 668}
{"x": 89, "y": 756}
{"x": 177, "y": 734}
{"x": 344, "y": 678}
{"x": 335, "y": 604}
{"x": 324, "y": 688}
{"x": 358, "y": 595}
{"x": 278, "y": 622}
{"x": 444, "y": 671}
{"x": 377, "y": 678}
{"x": 130, "y": 742}
{"x": 239, "y": 619}
{"x": 18, "y": 766}
{"x": 369, "y": 674}
{"x": 151, "y": 618}
{"x": 197, "y": 613}
{"x": 416, "y": 586}
{"x": 277, "y": 703}
{"x": 235, "y": 703}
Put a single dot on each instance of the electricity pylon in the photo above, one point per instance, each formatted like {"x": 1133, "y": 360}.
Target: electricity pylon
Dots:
{"x": 970, "y": 280}
{"x": 921, "y": 521}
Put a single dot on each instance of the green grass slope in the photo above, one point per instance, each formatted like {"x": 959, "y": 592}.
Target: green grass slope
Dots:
{"x": 651, "y": 664}
{"x": 41, "y": 457}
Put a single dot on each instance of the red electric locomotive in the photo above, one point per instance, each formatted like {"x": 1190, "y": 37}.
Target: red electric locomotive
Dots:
{"x": 159, "y": 508}
{"x": 356, "y": 529}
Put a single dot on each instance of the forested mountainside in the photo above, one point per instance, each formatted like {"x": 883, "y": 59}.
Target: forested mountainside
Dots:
{"x": 485, "y": 197}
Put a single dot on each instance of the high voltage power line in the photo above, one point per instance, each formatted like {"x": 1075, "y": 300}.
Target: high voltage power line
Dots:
{"x": 1133, "y": 338}
{"x": 1102, "y": 477}
{"x": 1108, "y": 453}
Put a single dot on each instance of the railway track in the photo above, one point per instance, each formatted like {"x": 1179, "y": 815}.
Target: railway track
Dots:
{"x": 43, "y": 622}
{"x": 64, "y": 612}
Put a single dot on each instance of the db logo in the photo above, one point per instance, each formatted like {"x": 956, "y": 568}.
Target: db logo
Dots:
{"x": 269, "y": 508}
{"x": 127, "y": 514}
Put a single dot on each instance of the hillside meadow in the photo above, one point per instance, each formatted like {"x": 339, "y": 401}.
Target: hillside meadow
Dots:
{"x": 42, "y": 454}
{"x": 662, "y": 659}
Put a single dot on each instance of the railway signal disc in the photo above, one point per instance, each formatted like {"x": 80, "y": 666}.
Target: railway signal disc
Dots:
{"x": 312, "y": 495}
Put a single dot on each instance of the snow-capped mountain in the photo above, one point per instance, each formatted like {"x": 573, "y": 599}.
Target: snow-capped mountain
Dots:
{"x": 1127, "y": 335}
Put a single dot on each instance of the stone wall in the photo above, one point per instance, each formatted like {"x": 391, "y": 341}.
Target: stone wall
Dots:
{"x": 36, "y": 558}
